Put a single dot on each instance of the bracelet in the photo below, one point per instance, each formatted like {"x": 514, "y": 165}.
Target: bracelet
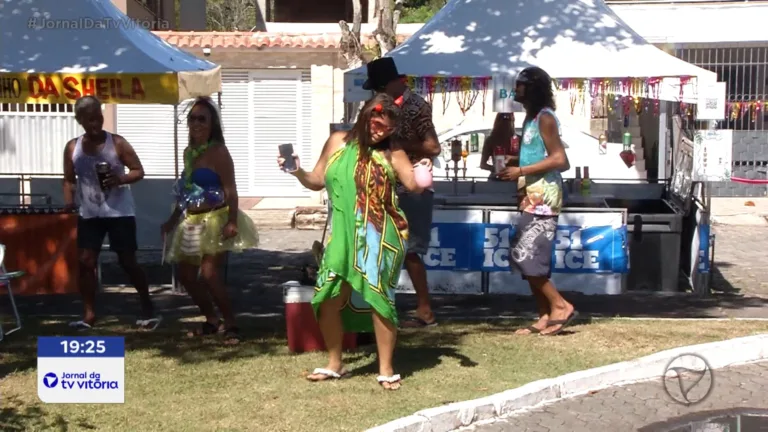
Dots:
{"x": 521, "y": 172}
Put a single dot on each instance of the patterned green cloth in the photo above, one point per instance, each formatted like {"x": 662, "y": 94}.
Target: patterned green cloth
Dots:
{"x": 368, "y": 238}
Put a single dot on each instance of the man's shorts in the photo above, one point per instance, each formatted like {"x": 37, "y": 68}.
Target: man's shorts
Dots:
{"x": 418, "y": 212}
{"x": 121, "y": 231}
{"x": 530, "y": 251}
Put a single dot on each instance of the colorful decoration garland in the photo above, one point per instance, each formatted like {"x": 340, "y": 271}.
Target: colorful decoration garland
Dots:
{"x": 736, "y": 109}
{"x": 468, "y": 89}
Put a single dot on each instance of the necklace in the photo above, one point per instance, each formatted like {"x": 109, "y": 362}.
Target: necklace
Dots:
{"x": 189, "y": 161}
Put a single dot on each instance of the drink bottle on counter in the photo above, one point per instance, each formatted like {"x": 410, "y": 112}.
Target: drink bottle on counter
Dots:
{"x": 576, "y": 185}
{"x": 586, "y": 183}
{"x": 514, "y": 145}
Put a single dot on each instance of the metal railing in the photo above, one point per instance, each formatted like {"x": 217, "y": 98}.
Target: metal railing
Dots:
{"x": 745, "y": 70}
{"x": 18, "y": 108}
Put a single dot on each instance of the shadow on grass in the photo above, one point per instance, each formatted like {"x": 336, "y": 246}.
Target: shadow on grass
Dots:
{"x": 417, "y": 350}
{"x": 18, "y": 353}
{"x": 15, "y": 416}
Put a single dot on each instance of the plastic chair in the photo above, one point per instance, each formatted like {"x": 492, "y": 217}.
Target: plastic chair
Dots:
{"x": 5, "y": 279}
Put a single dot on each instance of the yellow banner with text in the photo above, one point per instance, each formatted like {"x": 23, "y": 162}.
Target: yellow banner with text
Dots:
{"x": 28, "y": 88}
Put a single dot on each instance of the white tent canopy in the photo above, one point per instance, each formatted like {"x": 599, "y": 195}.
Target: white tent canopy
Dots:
{"x": 93, "y": 37}
{"x": 567, "y": 38}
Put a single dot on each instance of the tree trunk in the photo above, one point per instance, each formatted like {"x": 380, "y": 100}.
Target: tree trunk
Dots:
{"x": 351, "y": 48}
{"x": 385, "y": 29}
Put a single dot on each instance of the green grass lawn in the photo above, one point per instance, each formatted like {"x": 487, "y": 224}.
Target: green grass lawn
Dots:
{"x": 177, "y": 384}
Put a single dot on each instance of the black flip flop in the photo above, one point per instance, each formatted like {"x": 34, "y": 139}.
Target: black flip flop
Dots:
{"x": 419, "y": 323}
{"x": 533, "y": 329}
{"x": 562, "y": 323}
{"x": 206, "y": 329}
{"x": 232, "y": 335}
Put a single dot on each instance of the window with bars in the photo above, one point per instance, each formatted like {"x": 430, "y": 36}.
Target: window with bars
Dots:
{"x": 36, "y": 108}
{"x": 745, "y": 70}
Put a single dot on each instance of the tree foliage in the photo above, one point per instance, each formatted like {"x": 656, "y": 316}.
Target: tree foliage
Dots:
{"x": 420, "y": 11}
{"x": 231, "y": 15}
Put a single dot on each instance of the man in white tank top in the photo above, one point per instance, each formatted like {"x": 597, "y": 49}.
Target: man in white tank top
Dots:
{"x": 106, "y": 207}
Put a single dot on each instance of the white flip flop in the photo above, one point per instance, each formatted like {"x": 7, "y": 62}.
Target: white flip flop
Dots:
{"x": 150, "y": 324}
{"x": 80, "y": 325}
{"x": 394, "y": 379}
{"x": 329, "y": 374}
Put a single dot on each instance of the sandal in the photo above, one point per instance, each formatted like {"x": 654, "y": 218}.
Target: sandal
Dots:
{"x": 562, "y": 323}
{"x": 206, "y": 329}
{"x": 232, "y": 335}
{"x": 393, "y": 381}
{"x": 80, "y": 325}
{"x": 531, "y": 330}
{"x": 150, "y": 324}
{"x": 328, "y": 374}
{"x": 419, "y": 323}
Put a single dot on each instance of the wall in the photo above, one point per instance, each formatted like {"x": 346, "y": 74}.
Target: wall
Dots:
{"x": 750, "y": 160}
{"x": 322, "y": 64}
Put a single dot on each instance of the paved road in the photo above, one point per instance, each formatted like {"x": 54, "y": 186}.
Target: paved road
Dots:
{"x": 740, "y": 260}
{"x": 646, "y": 407}
{"x": 254, "y": 279}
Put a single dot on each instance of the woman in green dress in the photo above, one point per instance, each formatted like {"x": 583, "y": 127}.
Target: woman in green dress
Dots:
{"x": 368, "y": 236}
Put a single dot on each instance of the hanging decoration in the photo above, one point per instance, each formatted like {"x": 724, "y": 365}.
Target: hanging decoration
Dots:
{"x": 466, "y": 89}
{"x": 642, "y": 93}
{"x": 638, "y": 93}
{"x": 735, "y": 110}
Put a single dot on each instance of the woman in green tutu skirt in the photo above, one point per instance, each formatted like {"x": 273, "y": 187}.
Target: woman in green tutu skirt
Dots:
{"x": 206, "y": 222}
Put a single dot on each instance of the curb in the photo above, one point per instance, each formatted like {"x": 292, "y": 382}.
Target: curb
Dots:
{"x": 461, "y": 414}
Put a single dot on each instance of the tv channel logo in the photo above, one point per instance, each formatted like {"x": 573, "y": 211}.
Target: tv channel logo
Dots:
{"x": 88, "y": 386}
{"x": 50, "y": 380}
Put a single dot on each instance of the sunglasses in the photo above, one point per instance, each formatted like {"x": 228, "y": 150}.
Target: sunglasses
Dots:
{"x": 381, "y": 126}
{"x": 197, "y": 119}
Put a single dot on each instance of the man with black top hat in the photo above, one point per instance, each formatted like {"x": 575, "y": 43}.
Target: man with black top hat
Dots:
{"x": 416, "y": 134}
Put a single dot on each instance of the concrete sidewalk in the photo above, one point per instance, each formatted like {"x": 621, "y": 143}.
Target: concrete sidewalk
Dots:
{"x": 645, "y": 407}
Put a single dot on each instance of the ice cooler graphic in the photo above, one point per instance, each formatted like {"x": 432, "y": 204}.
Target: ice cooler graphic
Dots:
{"x": 301, "y": 326}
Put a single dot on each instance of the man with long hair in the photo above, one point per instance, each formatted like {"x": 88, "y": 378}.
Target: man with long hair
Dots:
{"x": 542, "y": 159}
{"x": 416, "y": 134}
{"x": 106, "y": 206}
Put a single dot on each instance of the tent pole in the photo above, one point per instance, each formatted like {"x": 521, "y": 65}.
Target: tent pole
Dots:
{"x": 176, "y": 140}
{"x": 226, "y": 259}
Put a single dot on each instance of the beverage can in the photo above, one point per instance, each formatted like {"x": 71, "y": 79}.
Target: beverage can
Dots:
{"x": 102, "y": 167}
{"x": 102, "y": 172}
{"x": 627, "y": 140}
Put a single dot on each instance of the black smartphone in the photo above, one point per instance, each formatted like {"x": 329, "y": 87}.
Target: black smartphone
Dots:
{"x": 286, "y": 152}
